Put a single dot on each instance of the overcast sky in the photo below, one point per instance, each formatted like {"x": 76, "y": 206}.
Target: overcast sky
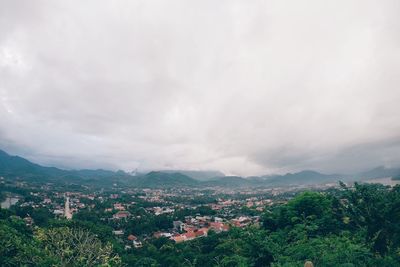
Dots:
{"x": 245, "y": 87}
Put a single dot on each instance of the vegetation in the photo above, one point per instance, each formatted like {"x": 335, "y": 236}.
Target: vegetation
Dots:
{"x": 78, "y": 247}
{"x": 347, "y": 227}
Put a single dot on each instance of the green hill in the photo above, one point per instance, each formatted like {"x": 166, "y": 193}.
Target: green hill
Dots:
{"x": 163, "y": 180}
{"x": 230, "y": 181}
{"x": 14, "y": 166}
{"x": 198, "y": 175}
{"x": 302, "y": 178}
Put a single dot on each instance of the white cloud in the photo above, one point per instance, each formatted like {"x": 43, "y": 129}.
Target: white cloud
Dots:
{"x": 243, "y": 87}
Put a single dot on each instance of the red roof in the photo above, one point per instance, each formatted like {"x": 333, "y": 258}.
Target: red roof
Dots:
{"x": 216, "y": 225}
{"x": 200, "y": 233}
{"x": 132, "y": 237}
{"x": 190, "y": 235}
{"x": 219, "y": 226}
{"x": 179, "y": 238}
{"x": 121, "y": 214}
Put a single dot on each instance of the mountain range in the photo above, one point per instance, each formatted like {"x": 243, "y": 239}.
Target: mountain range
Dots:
{"x": 15, "y": 166}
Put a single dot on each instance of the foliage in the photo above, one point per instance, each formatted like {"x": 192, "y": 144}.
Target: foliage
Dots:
{"x": 357, "y": 226}
{"x": 76, "y": 247}
{"x": 18, "y": 248}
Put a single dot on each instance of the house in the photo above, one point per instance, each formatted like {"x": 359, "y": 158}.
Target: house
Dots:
{"x": 121, "y": 215}
{"x": 179, "y": 238}
{"x": 241, "y": 221}
{"x": 137, "y": 244}
{"x": 168, "y": 210}
{"x": 58, "y": 212}
{"x": 216, "y": 207}
{"x": 132, "y": 238}
{"x": 219, "y": 227}
{"x": 178, "y": 225}
{"x": 157, "y": 234}
{"x": 189, "y": 228}
{"x": 201, "y": 232}
{"x": 189, "y": 235}
{"x": 47, "y": 201}
{"x": 118, "y": 232}
{"x": 28, "y": 221}
{"x": 164, "y": 210}
{"x": 119, "y": 206}
{"x": 218, "y": 219}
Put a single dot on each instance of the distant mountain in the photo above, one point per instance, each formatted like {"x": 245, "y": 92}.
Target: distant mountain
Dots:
{"x": 163, "y": 180}
{"x": 379, "y": 172}
{"x": 312, "y": 177}
{"x": 302, "y": 178}
{"x": 229, "y": 181}
{"x": 14, "y": 166}
{"x": 198, "y": 175}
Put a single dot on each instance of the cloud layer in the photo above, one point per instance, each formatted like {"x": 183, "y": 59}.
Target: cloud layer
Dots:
{"x": 245, "y": 87}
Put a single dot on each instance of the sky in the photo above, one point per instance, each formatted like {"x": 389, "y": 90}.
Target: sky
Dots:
{"x": 244, "y": 87}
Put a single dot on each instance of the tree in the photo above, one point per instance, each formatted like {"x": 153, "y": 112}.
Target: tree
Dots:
{"x": 76, "y": 247}
{"x": 326, "y": 251}
{"x": 376, "y": 209}
{"x": 146, "y": 262}
{"x": 17, "y": 249}
{"x": 234, "y": 261}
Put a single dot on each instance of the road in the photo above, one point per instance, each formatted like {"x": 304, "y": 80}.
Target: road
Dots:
{"x": 67, "y": 211}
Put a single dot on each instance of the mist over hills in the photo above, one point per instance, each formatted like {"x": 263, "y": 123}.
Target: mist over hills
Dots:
{"x": 197, "y": 175}
{"x": 303, "y": 177}
{"x": 15, "y": 166}
{"x": 164, "y": 180}
{"x": 380, "y": 172}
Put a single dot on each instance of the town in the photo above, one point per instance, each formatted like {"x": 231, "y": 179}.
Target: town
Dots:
{"x": 136, "y": 215}
{"x": 191, "y": 226}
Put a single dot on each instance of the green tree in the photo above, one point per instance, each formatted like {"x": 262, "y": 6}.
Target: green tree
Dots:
{"x": 17, "y": 249}
{"x": 76, "y": 247}
{"x": 234, "y": 261}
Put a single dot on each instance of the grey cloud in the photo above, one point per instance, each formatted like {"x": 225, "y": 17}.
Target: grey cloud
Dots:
{"x": 242, "y": 87}
{"x": 349, "y": 160}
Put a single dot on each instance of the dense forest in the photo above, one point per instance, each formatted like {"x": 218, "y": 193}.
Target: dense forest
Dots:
{"x": 357, "y": 226}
